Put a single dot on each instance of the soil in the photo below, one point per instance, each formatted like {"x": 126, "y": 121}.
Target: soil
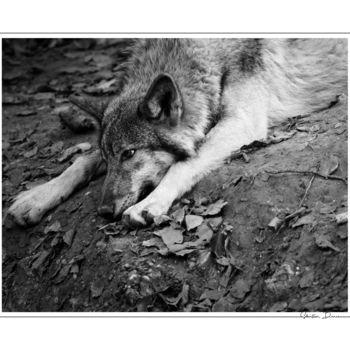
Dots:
{"x": 74, "y": 260}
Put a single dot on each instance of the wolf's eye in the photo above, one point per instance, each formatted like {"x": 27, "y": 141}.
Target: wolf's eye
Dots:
{"x": 128, "y": 154}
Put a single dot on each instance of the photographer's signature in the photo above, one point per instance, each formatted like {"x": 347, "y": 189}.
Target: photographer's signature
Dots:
{"x": 323, "y": 315}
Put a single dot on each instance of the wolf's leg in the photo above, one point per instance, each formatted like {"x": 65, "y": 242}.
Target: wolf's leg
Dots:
{"x": 242, "y": 123}
{"x": 30, "y": 206}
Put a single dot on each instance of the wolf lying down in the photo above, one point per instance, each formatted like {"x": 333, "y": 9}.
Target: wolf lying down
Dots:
{"x": 184, "y": 106}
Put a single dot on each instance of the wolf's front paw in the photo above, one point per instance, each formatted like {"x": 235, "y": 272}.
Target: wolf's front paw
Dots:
{"x": 145, "y": 211}
{"x": 30, "y": 206}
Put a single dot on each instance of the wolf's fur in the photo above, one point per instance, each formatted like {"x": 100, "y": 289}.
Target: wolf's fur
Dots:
{"x": 238, "y": 86}
{"x": 186, "y": 104}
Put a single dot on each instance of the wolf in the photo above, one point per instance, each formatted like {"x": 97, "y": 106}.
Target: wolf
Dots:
{"x": 183, "y": 106}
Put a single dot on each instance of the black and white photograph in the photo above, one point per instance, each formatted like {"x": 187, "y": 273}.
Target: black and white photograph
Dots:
{"x": 174, "y": 174}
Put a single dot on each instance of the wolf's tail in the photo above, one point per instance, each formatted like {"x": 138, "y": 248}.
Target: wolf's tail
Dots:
{"x": 305, "y": 75}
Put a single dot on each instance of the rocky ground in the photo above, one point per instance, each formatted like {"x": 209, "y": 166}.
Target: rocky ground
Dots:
{"x": 259, "y": 234}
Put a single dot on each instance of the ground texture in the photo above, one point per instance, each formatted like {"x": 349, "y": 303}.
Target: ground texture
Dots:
{"x": 260, "y": 234}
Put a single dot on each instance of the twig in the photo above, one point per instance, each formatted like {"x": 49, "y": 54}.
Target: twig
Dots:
{"x": 309, "y": 185}
{"x": 329, "y": 177}
{"x": 298, "y": 212}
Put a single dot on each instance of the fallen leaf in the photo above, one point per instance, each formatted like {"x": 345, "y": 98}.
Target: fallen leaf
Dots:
{"x": 199, "y": 210}
{"x": 41, "y": 259}
{"x": 218, "y": 244}
{"x": 26, "y": 113}
{"x": 203, "y": 257}
{"x": 13, "y": 74}
{"x": 101, "y": 88}
{"x": 240, "y": 289}
{"x": 204, "y": 233}
{"x": 307, "y": 279}
{"x": 225, "y": 279}
{"x": 96, "y": 288}
{"x": 328, "y": 208}
{"x": 303, "y": 128}
{"x": 68, "y": 237}
{"x": 215, "y": 223}
{"x": 77, "y": 70}
{"x": 75, "y": 120}
{"x": 173, "y": 238}
{"x": 31, "y": 153}
{"x": 183, "y": 296}
{"x": 74, "y": 269}
{"x": 323, "y": 240}
{"x": 56, "y": 147}
{"x": 56, "y": 240}
{"x": 278, "y": 307}
{"x": 154, "y": 242}
{"x": 223, "y": 305}
{"x": 193, "y": 221}
{"x": 99, "y": 60}
{"x": 161, "y": 219}
{"x": 215, "y": 208}
{"x": 329, "y": 166}
{"x": 119, "y": 244}
{"x": 200, "y": 200}
{"x": 224, "y": 261}
{"x": 342, "y": 234}
{"x": 110, "y": 229}
{"x": 279, "y": 136}
{"x": 275, "y": 223}
{"x": 64, "y": 271}
{"x": 211, "y": 294}
{"x": 13, "y": 99}
{"x": 55, "y": 227}
{"x": 44, "y": 96}
{"x": 305, "y": 220}
{"x": 184, "y": 252}
{"x": 170, "y": 236}
{"x": 341, "y": 218}
{"x": 178, "y": 215}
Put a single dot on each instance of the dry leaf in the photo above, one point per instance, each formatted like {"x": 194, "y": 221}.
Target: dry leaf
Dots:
{"x": 170, "y": 236}
{"x": 68, "y": 237}
{"x": 329, "y": 166}
{"x": 341, "y": 218}
{"x": 305, "y": 220}
{"x": 55, "y": 227}
{"x": 193, "y": 221}
{"x": 161, "y": 219}
{"x": 240, "y": 289}
{"x": 279, "y": 136}
{"x": 31, "y": 153}
{"x": 215, "y": 208}
{"x": 178, "y": 215}
{"x": 96, "y": 289}
{"x": 41, "y": 259}
{"x": 323, "y": 241}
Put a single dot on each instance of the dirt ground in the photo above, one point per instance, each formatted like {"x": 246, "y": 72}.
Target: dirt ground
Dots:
{"x": 259, "y": 234}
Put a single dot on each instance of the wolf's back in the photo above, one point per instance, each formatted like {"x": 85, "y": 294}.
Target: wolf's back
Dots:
{"x": 294, "y": 76}
{"x": 304, "y": 75}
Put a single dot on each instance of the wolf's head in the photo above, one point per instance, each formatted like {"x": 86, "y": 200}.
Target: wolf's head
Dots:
{"x": 140, "y": 138}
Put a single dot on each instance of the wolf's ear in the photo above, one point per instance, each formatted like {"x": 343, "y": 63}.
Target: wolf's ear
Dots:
{"x": 163, "y": 101}
{"x": 93, "y": 106}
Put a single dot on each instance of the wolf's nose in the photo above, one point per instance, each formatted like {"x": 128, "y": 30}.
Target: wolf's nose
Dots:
{"x": 105, "y": 211}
